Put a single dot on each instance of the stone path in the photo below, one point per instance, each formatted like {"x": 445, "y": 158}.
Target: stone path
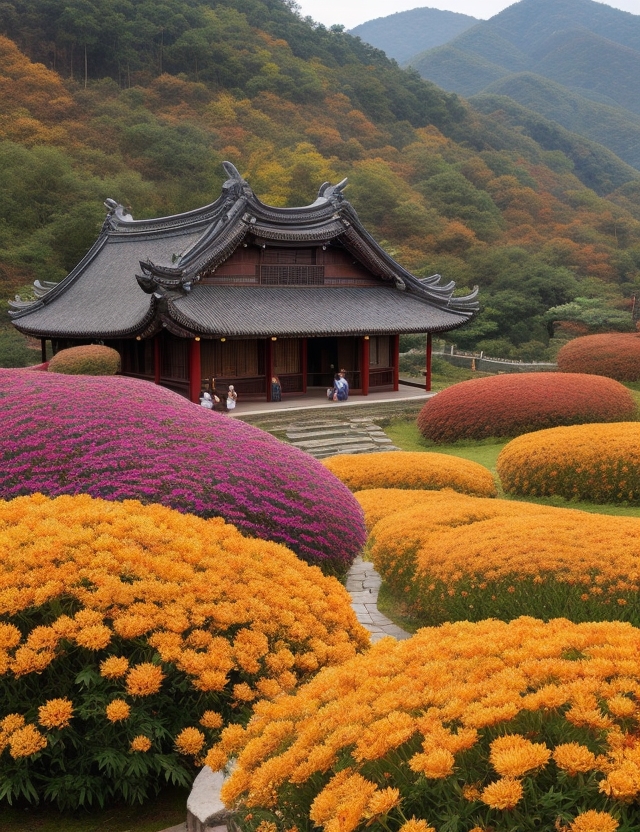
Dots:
{"x": 363, "y": 583}
{"x": 325, "y": 437}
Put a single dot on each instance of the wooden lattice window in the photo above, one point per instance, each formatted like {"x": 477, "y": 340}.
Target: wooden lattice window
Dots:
{"x": 291, "y": 275}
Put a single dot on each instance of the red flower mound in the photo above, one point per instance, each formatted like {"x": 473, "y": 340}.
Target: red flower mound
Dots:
{"x": 508, "y": 405}
{"x": 121, "y": 438}
{"x": 613, "y": 354}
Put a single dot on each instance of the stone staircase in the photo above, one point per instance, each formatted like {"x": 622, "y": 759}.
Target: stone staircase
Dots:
{"x": 326, "y": 437}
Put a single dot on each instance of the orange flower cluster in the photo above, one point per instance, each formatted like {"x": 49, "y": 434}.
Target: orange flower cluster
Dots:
{"x": 155, "y": 605}
{"x": 599, "y": 463}
{"x": 492, "y": 702}
{"x": 456, "y": 557}
{"x": 410, "y": 470}
{"x": 612, "y": 354}
{"x": 87, "y": 360}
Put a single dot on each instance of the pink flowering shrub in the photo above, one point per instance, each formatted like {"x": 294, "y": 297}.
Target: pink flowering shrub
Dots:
{"x": 508, "y": 405}
{"x": 612, "y": 354}
{"x": 120, "y": 438}
{"x": 87, "y": 360}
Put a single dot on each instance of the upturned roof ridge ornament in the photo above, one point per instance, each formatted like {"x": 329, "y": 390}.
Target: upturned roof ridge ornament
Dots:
{"x": 333, "y": 193}
{"x": 235, "y": 186}
{"x": 115, "y": 211}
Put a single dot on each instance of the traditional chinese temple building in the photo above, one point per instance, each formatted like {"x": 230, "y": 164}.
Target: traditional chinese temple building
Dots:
{"x": 240, "y": 291}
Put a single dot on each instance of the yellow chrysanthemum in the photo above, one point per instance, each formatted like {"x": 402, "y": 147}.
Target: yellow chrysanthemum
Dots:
{"x": 114, "y": 667}
{"x": 593, "y": 821}
{"x": 56, "y": 713}
{"x": 382, "y": 802}
{"x": 144, "y": 679}
{"x": 26, "y": 741}
{"x": 416, "y": 825}
{"x": 9, "y": 636}
{"x": 118, "y": 710}
{"x": 140, "y": 743}
{"x": 94, "y": 637}
{"x": 514, "y": 756}
{"x": 11, "y": 723}
{"x": 190, "y": 741}
{"x": 436, "y": 765}
{"x": 573, "y": 758}
{"x": 211, "y": 719}
{"x": 503, "y": 794}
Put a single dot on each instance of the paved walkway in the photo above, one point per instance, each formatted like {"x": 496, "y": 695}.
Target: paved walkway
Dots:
{"x": 363, "y": 583}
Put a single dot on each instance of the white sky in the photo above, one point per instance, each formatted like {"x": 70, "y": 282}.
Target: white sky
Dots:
{"x": 352, "y": 12}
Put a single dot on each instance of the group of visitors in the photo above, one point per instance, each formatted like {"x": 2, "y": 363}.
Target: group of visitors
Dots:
{"x": 340, "y": 390}
{"x": 223, "y": 402}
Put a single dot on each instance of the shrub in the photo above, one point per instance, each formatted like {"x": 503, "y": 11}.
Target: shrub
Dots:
{"x": 613, "y": 354}
{"x": 120, "y": 438}
{"x": 378, "y": 503}
{"x": 598, "y": 463}
{"x": 89, "y": 360}
{"x": 508, "y": 405}
{"x": 130, "y": 634}
{"x": 526, "y": 726}
{"x": 407, "y": 469}
{"x": 455, "y": 557}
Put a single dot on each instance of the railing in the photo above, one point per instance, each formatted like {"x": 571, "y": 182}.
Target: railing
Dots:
{"x": 381, "y": 378}
{"x": 291, "y": 382}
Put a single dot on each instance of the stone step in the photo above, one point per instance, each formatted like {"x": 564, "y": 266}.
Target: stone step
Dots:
{"x": 294, "y": 436}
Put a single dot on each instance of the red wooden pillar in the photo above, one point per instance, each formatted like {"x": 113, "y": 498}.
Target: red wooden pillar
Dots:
{"x": 157, "y": 358}
{"x": 365, "y": 365}
{"x": 396, "y": 361}
{"x": 427, "y": 385}
{"x": 268, "y": 366}
{"x": 303, "y": 359}
{"x": 195, "y": 370}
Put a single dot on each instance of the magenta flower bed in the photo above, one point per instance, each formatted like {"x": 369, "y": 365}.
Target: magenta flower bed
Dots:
{"x": 120, "y": 438}
{"x": 509, "y": 405}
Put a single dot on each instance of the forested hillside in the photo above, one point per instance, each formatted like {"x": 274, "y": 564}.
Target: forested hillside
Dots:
{"x": 573, "y": 61}
{"x": 142, "y": 102}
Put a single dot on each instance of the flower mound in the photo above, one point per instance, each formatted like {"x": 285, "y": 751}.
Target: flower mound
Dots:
{"x": 598, "y": 463}
{"x": 129, "y": 629}
{"x": 467, "y": 726}
{"x": 403, "y": 469}
{"x": 120, "y": 438}
{"x": 508, "y": 405}
{"x": 614, "y": 354}
{"x": 89, "y": 360}
{"x": 455, "y": 558}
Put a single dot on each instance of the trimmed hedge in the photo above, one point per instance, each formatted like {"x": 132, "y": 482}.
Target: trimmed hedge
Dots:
{"x": 412, "y": 470}
{"x": 613, "y": 354}
{"x": 89, "y": 360}
{"x": 121, "y": 438}
{"x": 599, "y": 463}
{"x": 455, "y": 557}
{"x": 508, "y": 405}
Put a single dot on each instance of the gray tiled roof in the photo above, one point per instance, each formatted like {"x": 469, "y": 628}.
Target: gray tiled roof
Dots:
{"x": 106, "y": 296}
{"x": 293, "y": 311}
{"x": 102, "y": 299}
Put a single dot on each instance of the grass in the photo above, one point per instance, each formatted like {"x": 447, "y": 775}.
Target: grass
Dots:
{"x": 169, "y": 809}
